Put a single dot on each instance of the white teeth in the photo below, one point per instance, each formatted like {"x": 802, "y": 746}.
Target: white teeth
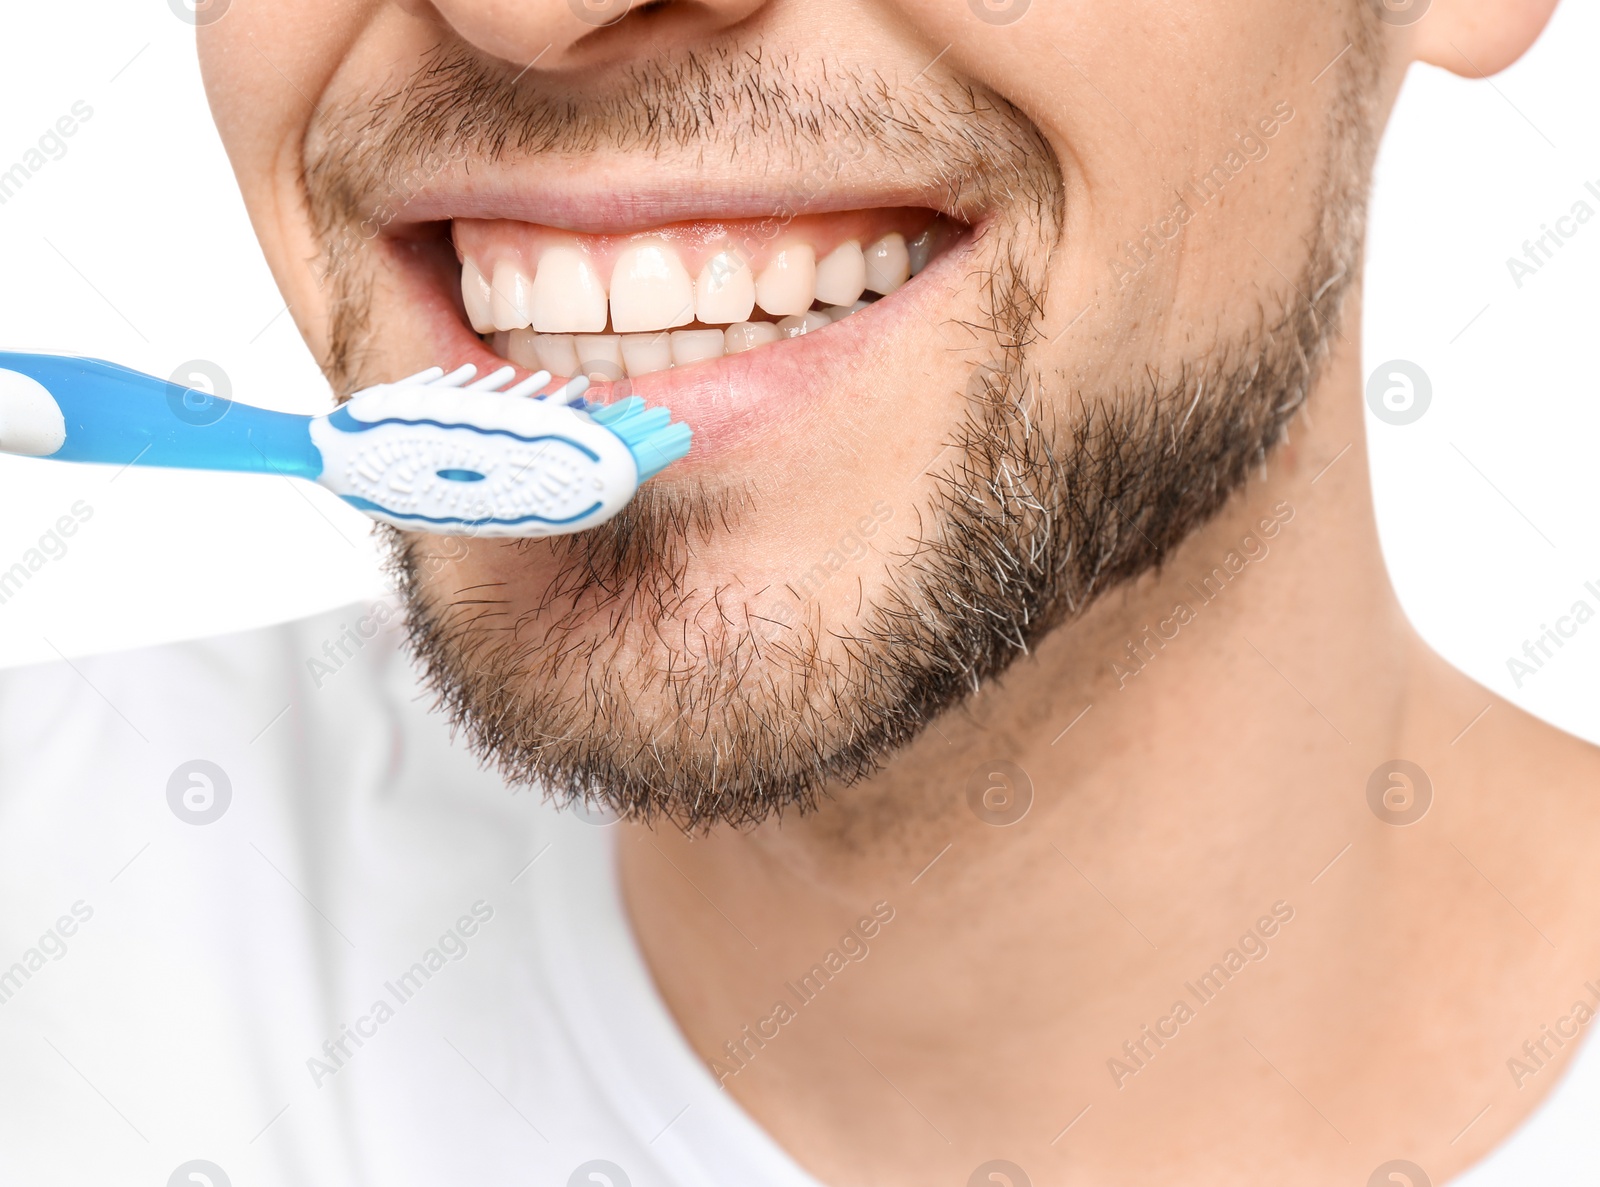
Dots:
{"x": 554, "y": 318}
{"x": 522, "y": 349}
{"x": 568, "y": 295}
{"x": 804, "y": 323}
{"x": 888, "y": 263}
{"x": 557, "y": 354}
{"x": 599, "y": 356}
{"x": 842, "y": 276}
{"x": 747, "y": 335}
{"x": 789, "y": 283}
{"x": 509, "y": 301}
{"x": 608, "y": 357}
{"x": 478, "y": 298}
{"x": 644, "y": 353}
{"x": 650, "y": 289}
{"x": 726, "y": 290}
{"x": 694, "y": 346}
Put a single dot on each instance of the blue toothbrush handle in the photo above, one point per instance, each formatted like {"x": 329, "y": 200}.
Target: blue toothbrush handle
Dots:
{"x": 125, "y": 417}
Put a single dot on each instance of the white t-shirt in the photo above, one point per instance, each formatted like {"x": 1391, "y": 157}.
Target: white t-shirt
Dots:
{"x": 260, "y": 914}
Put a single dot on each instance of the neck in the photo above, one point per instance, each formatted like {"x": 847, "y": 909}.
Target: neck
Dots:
{"x": 1185, "y": 751}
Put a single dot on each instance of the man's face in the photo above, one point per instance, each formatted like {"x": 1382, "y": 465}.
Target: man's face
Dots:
{"x": 1129, "y": 228}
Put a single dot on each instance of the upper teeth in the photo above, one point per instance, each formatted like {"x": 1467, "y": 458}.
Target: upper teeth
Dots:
{"x": 888, "y": 264}
{"x": 554, "y": 314}
{"x": 842, "y": 275}
{"x": 650, "y": 289}
{"x": 567, "y": 294}
{"x": 726, "y": 290}
{"x": 788, "y": 285}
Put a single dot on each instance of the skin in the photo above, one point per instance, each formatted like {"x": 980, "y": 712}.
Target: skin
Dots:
{"x": 1223, "y": 777}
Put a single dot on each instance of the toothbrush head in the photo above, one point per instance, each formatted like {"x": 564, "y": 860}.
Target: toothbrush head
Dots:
{"x": 444, "y": 454}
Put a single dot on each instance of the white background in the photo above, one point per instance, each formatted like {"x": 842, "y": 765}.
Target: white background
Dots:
{"x": 135, "y": 247}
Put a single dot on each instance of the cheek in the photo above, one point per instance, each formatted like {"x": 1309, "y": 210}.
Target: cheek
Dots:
{"x": 1174, "y": 233}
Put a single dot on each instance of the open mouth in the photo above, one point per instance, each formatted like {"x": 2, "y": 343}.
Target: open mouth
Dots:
{"x": 742, "y": 326}
{"x": 609, "y": 307}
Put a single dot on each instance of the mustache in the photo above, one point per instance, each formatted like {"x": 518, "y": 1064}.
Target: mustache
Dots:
{"x": 765, "y": 113}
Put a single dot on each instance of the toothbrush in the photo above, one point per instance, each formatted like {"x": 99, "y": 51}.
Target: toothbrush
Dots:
{"x": 436, "y": 452}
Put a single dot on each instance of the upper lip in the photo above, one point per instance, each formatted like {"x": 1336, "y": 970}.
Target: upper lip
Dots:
{"x": 614, "y": 198}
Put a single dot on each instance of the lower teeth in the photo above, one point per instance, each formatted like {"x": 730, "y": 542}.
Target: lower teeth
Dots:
{"x": 609, "y": 357}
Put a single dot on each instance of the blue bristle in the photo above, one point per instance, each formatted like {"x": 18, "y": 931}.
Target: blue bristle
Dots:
{"x": 606, "y": 414}
{"x": 649, "y": 433}
{"x": 660, "y": 449}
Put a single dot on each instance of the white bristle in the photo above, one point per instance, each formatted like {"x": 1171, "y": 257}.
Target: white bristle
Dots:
{"x": 530, "y": 385}
{"x": 492, "y": 381}
{"x": 457, "y": 377}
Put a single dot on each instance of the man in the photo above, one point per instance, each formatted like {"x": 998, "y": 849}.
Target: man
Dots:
{"x": 994, "y": 755}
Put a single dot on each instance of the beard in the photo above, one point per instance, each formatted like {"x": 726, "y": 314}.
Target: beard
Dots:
{"x": 628, "y": 689}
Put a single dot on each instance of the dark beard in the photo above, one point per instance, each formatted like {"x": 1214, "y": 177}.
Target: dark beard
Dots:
{"x": 1034, "y": 519}
{"x": 709, "y": 706}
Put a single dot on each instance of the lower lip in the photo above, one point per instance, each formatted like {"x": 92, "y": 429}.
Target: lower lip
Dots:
{"x": 784, "y": 389}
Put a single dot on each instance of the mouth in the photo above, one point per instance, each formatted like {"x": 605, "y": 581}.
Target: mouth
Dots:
{"x": 726, "y": 323}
